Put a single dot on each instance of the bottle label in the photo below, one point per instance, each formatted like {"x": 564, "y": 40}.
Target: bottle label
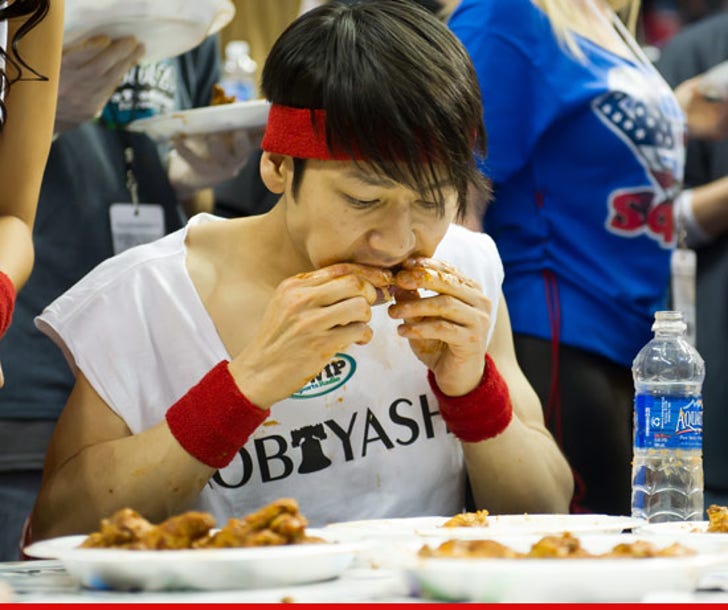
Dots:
{"x": 668, "y": 422}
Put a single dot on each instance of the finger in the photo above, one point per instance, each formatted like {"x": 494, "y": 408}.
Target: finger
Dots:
{"x": 339, "y": 289}
{"x": 240, "y": 144}
{"x": 82, "y": 52}
{"x": 115, "y": 58}
{"x": 377, "y": 276}
{"x": 2, "y": 377}
{"x": 342, "y": 313}
{"x": 358, "y": 333}
{"x": 444, "y": 307}
{"x": 440, "y": 330}
{"x": 337, "y": 338}
{"x": 188, "y": 150}
{"x": 440, "y": 278}
{"x": 195, "y": 162}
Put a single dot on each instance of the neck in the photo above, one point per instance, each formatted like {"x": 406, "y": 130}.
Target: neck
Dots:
{"x": 276, "y": 248}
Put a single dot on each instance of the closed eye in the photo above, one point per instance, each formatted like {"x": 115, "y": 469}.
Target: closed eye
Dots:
{"x": 361, "y": 203}
{"x": 428, "y": 205}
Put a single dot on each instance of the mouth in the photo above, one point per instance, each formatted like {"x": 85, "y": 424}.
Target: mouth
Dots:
{"x": 386, "y": 294}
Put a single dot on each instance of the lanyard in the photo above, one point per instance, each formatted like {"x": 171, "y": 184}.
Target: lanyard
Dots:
{"x": 131, "y": 182}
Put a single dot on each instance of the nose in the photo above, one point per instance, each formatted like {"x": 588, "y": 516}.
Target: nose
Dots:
{"x": 394, "y": 238}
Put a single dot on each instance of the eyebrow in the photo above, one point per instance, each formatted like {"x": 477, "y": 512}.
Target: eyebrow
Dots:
{"x": 373, "y": 179}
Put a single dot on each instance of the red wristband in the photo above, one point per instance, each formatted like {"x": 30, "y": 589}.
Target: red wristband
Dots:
{"x": 480, "y": 414}
{"x": 214, "y": 419}
{"x": 7, "y": 302}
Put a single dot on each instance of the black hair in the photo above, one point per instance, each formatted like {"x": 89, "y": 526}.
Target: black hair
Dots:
{"x": 398, "y": 88}
{"x": 35, "y": 11}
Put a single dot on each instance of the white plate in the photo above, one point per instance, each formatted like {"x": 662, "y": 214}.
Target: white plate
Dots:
{"x": 559, "y": 580}
{"x": 677, "y": 528}
{"x": 687, "y": 532}
{"x": 167, "y": 28}
{"x": 238, "y": 115}
{"x": 520, "y": 525}
{"x": 210, "y": 569}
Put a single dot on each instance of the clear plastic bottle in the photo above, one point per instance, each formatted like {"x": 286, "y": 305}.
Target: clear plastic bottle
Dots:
{"x": 239, "y": 71}
{"x": 667, "y": 466}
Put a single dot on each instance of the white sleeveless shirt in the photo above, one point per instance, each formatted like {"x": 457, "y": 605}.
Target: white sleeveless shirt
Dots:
{"x": 364, "y": 439}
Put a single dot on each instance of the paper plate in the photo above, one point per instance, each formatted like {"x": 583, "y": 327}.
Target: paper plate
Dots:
{"x": 687, "y": 533}
{"x": 523, "y": 524}
{"x": 559, "y": 580}
{"x": 519, "y": 525}
{"x": 209, "y": 569}
{"x": 167, "y": 28}
{"x": 238, "y": 115}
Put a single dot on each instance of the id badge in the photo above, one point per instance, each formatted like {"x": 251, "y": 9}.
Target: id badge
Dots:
{"x": 133, "y": 225}
{"x": 683, "y": 267}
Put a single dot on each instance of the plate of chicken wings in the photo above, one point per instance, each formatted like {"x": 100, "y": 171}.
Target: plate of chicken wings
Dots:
{"x": 268, "y": 548}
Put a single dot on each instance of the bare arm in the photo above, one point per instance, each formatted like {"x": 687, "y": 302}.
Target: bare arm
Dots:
{"x": 522, "y": 469}
{"x": 707, "y": 119}
{"x": 710, "y": 206}
{"x": 94, "y": 466}
{"x": 26, "y": 139}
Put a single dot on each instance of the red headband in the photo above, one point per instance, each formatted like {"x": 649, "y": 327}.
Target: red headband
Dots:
{"x": 290, "y": 131}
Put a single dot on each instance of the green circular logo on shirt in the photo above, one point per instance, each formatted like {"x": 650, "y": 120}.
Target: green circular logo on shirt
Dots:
{"x": 335, "y": 374}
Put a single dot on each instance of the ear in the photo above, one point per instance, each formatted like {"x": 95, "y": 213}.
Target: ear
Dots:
{"x": 275, "y": 171}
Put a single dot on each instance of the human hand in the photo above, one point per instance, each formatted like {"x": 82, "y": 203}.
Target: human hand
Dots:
{"x": 707, "y": 118}
{"x": 2, "y": 377}
{"x": 90, "y": 71}
{"x": 448, "y": 332}
{"x": 310, "y": 318}
{"x": 202, "y": 161}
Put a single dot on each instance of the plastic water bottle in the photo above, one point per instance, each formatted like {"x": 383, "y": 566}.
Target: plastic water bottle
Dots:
{"x": 239, "y": 69}
{"x": 667, "y": 466}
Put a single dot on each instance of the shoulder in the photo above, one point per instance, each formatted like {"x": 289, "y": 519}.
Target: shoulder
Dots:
{"x": 513, "y": 17}
{"x": 129, "y": 277}
{"x": 497, "y": 10}
{"x": 497, "y": 31}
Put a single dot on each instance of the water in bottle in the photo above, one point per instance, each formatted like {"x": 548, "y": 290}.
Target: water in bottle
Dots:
{"x": 239, "y": 70}
{"x": 667, "y": 467}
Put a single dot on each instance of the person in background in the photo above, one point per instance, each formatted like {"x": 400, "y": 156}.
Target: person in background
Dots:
{"x": 30, "y": 54}
{"x": 694, "y": 50}
{"x": 586, "y": 157}
{"x": 240, "y": 366}
{"x": 85, "y": 214}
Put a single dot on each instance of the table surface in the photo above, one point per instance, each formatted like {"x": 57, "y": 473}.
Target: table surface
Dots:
{"x": 378, "y": 575}
{"x": 46, "y": 581}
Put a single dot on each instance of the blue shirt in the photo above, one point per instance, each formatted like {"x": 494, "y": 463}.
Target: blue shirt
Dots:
{"x": 586, "y": 157}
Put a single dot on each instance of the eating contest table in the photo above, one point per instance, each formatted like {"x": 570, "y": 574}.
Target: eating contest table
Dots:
{"x": 382, "y": 570}
{"x": 46, "y": 581}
